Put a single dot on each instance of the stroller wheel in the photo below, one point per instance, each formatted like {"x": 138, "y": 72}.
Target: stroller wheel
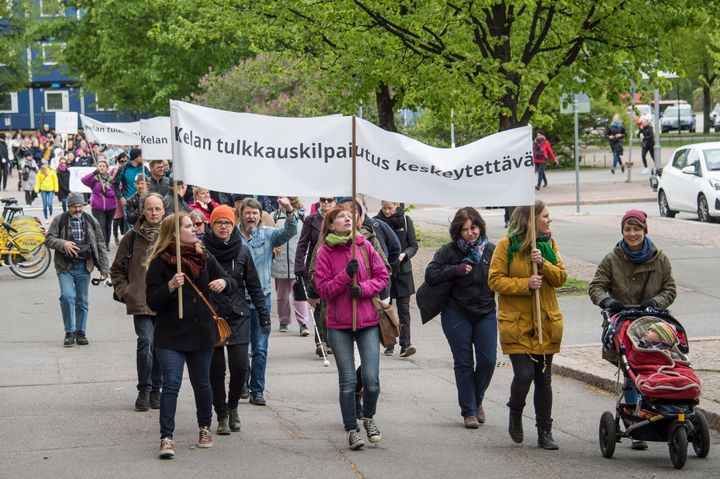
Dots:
{"x": 607, "y": 434}
{"x": 677, "y": 444}
{"x": 701, "y": 435}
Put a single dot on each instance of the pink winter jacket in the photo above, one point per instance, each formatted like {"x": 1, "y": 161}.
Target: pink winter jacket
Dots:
{"x": 333, "y": 284}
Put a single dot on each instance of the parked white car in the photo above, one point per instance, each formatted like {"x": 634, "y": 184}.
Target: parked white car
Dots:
{"x": 690, "y": 182}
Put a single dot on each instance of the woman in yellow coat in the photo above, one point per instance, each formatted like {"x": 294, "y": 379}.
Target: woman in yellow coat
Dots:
{"x": 46, "y": 183}
{"x": 511, "y": 277}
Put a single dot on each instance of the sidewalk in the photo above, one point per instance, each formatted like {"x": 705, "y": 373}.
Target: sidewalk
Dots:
{"x": 584, "y": 363}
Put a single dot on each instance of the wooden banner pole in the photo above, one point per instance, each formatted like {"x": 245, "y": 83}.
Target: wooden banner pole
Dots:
{"x": 536, "y": 293}
{"x": 177, "y": 242}
{"x": 354, "y": 221}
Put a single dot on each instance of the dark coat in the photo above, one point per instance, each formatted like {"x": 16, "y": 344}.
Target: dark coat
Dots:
{"x": 63, "y": 183}
{"x": 197, "y": 330}
{"x": 402, "y": 283}
{"x": 470, "y": 296}
{"x": 132, "y": 209}
{"x": 234, "y": 308}
{"x": 309, "y": 236}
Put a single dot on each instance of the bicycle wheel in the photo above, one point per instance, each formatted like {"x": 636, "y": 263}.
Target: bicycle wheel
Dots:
{"x": 32, "y": 265}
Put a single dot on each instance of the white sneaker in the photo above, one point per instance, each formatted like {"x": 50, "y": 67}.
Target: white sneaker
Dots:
{"x": 354, "y": 440}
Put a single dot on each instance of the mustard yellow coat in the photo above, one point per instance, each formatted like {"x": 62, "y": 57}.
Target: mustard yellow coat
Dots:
{"x": 516, "y": 321}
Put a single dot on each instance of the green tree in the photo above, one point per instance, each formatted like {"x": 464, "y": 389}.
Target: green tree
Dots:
{"x": 15, "y": 18}
{"x": 120, "y": 50}
{"x": 698, "y": 54}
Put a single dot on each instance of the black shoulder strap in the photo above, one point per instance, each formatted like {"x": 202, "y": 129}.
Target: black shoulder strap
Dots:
{"x": 131, "y": 244}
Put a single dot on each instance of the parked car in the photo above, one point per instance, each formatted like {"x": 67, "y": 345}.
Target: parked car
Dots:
{"x": 690, "y": 182}
{"x": 682, "y": 113}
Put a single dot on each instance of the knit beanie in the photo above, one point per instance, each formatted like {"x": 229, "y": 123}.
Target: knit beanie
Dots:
{"x": 75, "y": 199}
{"x": 665, "y": 332}
{"x": 639, "y": 215}
{"x": 222, "y": 211}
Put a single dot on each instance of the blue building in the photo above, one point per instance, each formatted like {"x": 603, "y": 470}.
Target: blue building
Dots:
{"x": 50, "y": 89}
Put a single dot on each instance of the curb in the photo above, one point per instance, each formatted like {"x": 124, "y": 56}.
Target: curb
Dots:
{"x": 601, "y": 379}
{"x": 601, "y": 202}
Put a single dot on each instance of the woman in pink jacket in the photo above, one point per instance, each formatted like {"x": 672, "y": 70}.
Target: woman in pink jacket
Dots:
{"x": 334, "y": 271}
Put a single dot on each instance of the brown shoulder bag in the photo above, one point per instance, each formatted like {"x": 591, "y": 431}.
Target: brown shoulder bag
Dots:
{"x": 389, "y": 321}
{"x": 222, "y": 326}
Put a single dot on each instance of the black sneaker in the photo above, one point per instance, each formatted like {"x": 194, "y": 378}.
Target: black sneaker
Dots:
{"x": 283, "y": 328}
{"x": 373, "y": 433}
{"x": 389, "y": 352}
{"x": 354, "y": 440}
{"x": 69, "y": 340}
{"x": 81, "y": 339}
{"x": 304, "y": 331}
{"x": 244, "y": 393}
{"x": 257, "y": 399}
{"x": 142, "y": 403}
{"x": 155, "y": 399}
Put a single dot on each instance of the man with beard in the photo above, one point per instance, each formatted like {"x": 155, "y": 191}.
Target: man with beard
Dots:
{"x": 157, "y": 181}
{"x": 128, "y": 277}
{"x": 79, "y": 244}
{"x": 261, "y": 241}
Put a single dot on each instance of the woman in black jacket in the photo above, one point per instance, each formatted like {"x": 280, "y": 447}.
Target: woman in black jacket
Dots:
{"x": 63, "y": 176}
{"x": 224, "y": 242}
{"x": 189, "y": 340}
{"x": 402, "y": 285}
{"x": 468, "y": 316}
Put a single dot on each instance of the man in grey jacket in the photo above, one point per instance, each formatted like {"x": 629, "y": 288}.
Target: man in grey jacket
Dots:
{"x": 79, "y": 246}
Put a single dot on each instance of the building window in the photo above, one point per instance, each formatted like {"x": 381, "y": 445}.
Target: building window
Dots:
{"x": 51, "y": 8}
{"x": 98, "y": 106}
{"x": 57, "y": 100}
{"x": 8, "y": 103}
{"x": 51, "y": 53}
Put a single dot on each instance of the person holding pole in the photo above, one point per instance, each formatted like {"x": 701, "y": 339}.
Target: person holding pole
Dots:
{"x": 525, "y": 270}
{"x": 186, "y": 337}
{"x": 348, "y": 274}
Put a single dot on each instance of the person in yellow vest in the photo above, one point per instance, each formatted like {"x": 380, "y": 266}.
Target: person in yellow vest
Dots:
{"x": 46, "y": 183}
{"x": 511, "y": 276}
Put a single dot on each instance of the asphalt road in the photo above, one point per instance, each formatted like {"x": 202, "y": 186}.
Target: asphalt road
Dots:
{"x": 69, "y": 412}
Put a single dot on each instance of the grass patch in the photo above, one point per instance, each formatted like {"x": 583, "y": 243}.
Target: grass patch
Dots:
{"x": 430, "y": 236}
{"x": 574, "y": 287}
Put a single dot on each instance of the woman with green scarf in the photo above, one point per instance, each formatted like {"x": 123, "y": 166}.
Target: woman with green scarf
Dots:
{"x": 511, "y": 276}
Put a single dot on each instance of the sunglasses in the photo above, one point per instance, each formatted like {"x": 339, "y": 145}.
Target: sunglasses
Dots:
{"x": 223, "y": 223}
{"x": 198, "y": 224}
{"x": 327, "y": 200}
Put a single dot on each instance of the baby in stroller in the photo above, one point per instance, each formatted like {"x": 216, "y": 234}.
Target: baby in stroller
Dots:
{"x": 662, "y": 336}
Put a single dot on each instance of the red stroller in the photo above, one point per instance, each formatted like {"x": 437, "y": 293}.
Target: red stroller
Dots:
{"x": 667, "y": 388}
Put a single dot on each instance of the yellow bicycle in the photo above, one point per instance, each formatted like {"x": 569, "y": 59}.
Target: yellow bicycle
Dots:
{"x": 24, "y": 250}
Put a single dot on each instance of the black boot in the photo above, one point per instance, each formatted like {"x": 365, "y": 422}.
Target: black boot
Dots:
{"x": 545, "y": 439}
{"x": 515, "y": 429}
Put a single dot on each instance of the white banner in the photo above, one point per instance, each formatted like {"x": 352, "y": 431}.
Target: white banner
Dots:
{"x": 66, "y": 122}
{"x": 155, "y": 138}
{"x": 497, "y": 170}
{"x": 76, "y": 175}
{"x": 111, "y": 133}
{"x": 256, "y": 154}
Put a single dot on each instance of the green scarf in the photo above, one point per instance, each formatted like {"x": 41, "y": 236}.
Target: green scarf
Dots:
{"x": 333, "y": 240}
{"x": 542, "y": 243}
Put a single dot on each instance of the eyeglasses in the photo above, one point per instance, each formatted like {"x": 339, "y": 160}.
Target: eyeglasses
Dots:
{"x": 226, "y": 224}
{"x": 198, "y": 224}
{"x": 327, "y": 200}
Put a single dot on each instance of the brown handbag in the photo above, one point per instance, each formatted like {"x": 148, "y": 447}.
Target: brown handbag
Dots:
{"x": 389, "y": 320}
{"x": 222, "y": 326}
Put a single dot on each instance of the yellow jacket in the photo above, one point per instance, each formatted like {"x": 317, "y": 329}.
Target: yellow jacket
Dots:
{"x": 516, "y": 321}
{"x": 46, "y": 181}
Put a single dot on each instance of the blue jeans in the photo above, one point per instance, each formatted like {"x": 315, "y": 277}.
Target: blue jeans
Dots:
{"x": 148, "y": 367}
{"x": 74, "y": 285}
{"x": 47, "y": 200}
{"x": 63, "y": 202}
{"x": 259, "y": 337}
{"x": 368, "y": 342}
{"x": 616, "y": 158}
{"x": 172, "y": 363}
{"x": 473, "y": 369}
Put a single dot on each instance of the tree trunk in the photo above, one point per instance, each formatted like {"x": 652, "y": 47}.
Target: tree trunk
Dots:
{"x": 706, "y": 108}
{"x": 386, "y": 108}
